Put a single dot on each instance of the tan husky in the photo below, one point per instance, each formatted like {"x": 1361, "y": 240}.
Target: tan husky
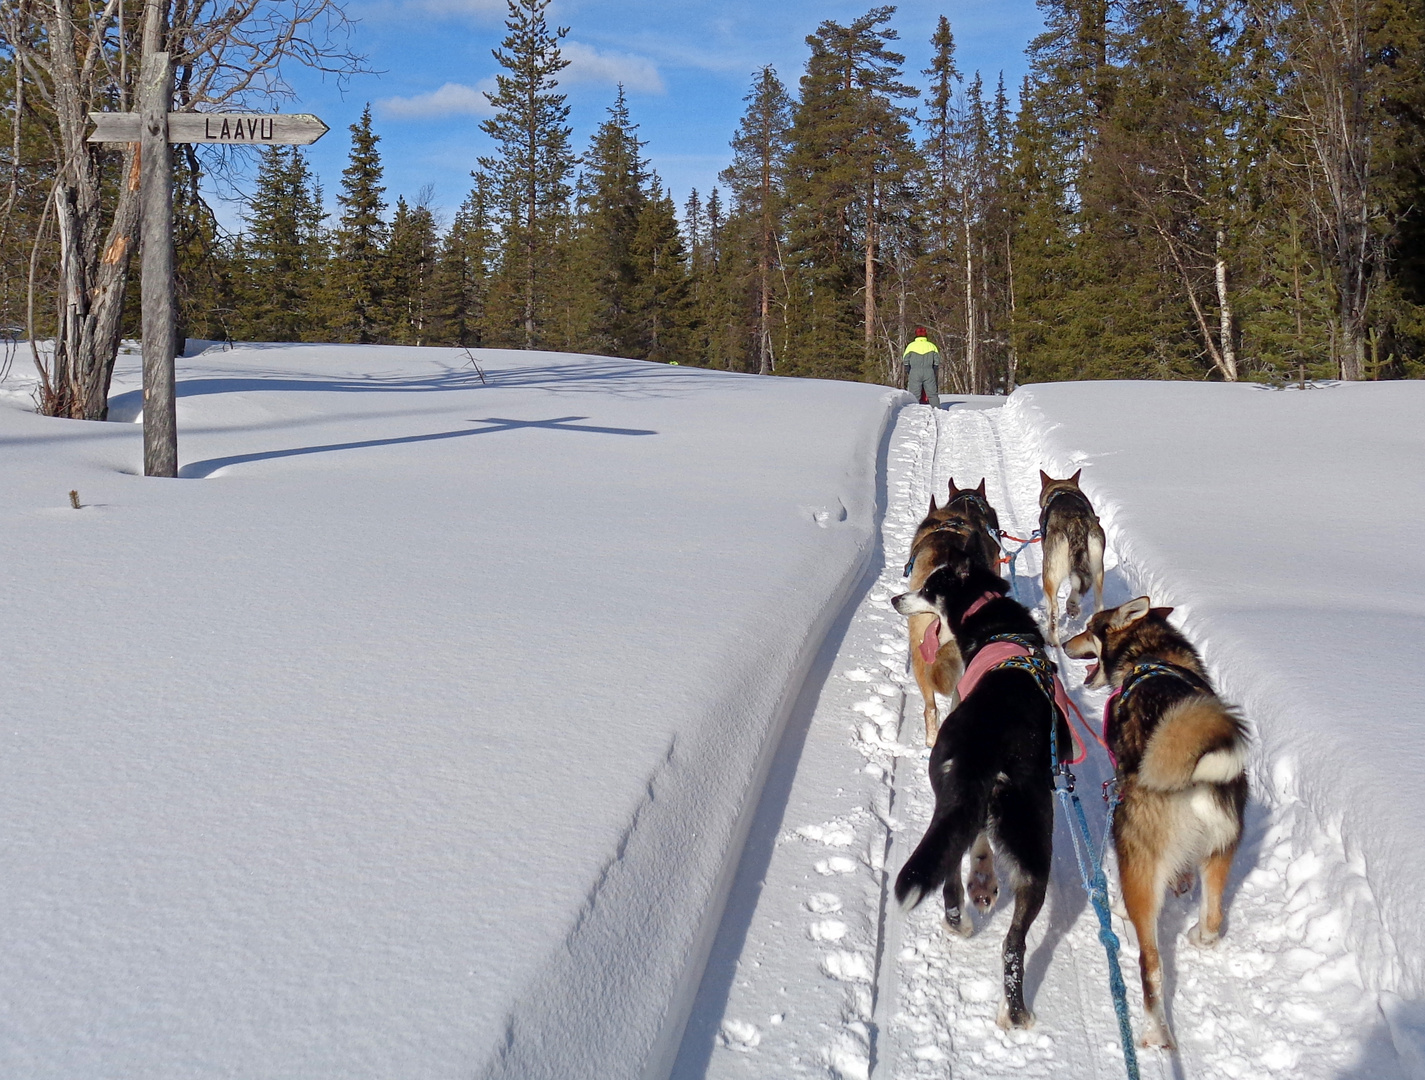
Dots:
{"x": 1180, "y": 758}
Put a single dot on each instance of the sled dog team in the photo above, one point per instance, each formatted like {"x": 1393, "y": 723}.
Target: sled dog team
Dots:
{"x": 1178, "y": 751}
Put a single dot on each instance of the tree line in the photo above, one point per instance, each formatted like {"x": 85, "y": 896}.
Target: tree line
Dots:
{"x": 1226, "y": 189}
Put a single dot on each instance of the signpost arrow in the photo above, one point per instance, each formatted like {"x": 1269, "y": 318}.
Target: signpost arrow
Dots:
{"x": 155, "y": 129}
{"x": 228, "y": 129}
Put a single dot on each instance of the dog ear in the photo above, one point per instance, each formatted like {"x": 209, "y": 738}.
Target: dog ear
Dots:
{"x": 1075, "y": 478}
{"x": 981, "y": 488}
{"x": 1160, "y": 612}
{"x": 1044, "y": 480}
{"x": 933, "y": 507}
{"x": 953, "y": 488}
{"x": 1130, "y": 613}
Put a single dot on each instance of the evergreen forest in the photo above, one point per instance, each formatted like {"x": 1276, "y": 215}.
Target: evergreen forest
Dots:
{"x": 1179, "y": 189}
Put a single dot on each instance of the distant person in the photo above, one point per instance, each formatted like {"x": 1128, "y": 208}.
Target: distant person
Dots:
{"x": 922, "y": 369}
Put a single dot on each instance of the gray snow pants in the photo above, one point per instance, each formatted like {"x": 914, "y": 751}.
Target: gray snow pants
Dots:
{"x": 926, "y": 376}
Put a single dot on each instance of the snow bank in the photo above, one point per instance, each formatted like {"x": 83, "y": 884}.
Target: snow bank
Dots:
{"x": 412, "y": 731}
{"x": 1285, "y": 527}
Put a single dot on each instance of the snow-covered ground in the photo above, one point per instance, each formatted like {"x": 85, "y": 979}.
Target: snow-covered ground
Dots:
{"x": 374, "y": 748}
{"x": 408, "y": 734}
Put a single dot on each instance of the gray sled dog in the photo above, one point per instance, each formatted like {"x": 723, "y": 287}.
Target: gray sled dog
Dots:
{"x": 1180, "y": 759}
{"x": 1073, "y": 546}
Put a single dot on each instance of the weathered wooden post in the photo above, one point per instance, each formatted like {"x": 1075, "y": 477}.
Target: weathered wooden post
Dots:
{"x": 160, "y": 418}
{"x": 155, "y": 129}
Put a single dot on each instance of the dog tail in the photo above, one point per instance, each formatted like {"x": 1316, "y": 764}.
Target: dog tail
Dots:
{"x": 925, "y": 870}
{"x": 1199, "y": 740}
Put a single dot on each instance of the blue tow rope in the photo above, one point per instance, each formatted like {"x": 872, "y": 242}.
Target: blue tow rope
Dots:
{"x": 1096, "y": 885}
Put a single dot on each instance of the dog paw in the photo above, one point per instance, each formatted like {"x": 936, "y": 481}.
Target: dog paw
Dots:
{"x": 955, "y": 923}
{"x": 1202, "y": 939}
{"x": 1017, "y": 1017}
{"x": 1071, "y": 609}
{"x": 1156, "y": 1037}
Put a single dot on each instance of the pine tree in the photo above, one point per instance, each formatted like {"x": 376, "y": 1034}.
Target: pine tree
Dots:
{"x": 756, "y": 181}
{"x": 358, "y": 271}
{"x": 531, "y": 172}
{"x": 850, "y": 149}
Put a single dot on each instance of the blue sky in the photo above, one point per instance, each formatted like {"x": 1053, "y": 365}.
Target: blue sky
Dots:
{"x": 685, "y": 66}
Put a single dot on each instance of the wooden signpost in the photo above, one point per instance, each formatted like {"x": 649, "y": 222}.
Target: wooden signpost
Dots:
{"x": 155, "y": 129}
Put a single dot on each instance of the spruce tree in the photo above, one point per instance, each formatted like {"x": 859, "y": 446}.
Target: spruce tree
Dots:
{"x": 531, "y": 172}
{"x": 462, "y": 275}
{"x": 611, "y": 201}
{"x": 358, "y": 271}
{"x": 410, "y": 263}
{"x": 660, "y": 299}
{"x": 284, "y": 249}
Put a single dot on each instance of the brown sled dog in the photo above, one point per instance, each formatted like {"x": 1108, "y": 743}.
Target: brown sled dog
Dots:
{"x": 963, "y": 530}
{"x": 1180, "y": 759}
{"x": 1073, "y": 546}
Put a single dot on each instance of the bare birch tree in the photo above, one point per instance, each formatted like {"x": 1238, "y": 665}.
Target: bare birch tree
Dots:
{"x": 74, "y": 57}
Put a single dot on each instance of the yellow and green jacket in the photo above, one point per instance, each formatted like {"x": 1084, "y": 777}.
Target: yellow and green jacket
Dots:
{"x": 921, "y": 352}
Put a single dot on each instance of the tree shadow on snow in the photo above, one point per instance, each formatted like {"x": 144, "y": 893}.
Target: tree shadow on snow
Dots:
{"x": 200, "y": 469}
{"x": 582, "y": 374}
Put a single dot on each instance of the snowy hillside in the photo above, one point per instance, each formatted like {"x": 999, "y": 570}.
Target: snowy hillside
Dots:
{"x": 416, "y": 730}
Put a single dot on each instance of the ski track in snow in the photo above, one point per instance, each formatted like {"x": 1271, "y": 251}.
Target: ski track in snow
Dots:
{"x": 828, "y": 977}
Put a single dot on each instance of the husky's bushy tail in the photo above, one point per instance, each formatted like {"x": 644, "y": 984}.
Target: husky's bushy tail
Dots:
{"x": 1199, "y": 740}
{"x": 938, "y": 854}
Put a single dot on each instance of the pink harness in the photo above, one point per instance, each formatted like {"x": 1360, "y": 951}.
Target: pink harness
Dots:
{"x": 995, "y": 653}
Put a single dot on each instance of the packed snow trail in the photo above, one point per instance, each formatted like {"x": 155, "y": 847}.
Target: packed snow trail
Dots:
{"x": 817, "y": 972}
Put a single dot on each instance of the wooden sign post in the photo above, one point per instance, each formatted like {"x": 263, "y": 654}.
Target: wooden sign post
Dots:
{"x": 155, "y": 129}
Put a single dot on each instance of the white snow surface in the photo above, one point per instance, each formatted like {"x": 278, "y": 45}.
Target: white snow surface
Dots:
{"x": 412, "y": 732}
{"x": 369, "y": 749}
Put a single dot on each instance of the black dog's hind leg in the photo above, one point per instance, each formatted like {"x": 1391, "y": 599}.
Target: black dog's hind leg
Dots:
{"x": 1025, "y": 830}
{"x": 1028, "y": 899}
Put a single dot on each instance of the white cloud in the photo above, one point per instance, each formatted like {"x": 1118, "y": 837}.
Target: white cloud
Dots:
{"x": 452, "y": 99}
{"x": 588, "y": 65}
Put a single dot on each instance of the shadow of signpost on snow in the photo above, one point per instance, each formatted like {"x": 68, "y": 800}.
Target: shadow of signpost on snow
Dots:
{"x": 200, "y": 469}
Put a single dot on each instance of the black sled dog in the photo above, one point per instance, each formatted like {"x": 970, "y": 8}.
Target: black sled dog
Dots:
{"x": 1180, "y": 758}
{"x": 990, "y": 767}
{"x": 1073, "y": 546}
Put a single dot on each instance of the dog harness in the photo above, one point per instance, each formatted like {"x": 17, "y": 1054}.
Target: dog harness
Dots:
{"x": 1023, "y": 654}
{"x": 1044, "y": 514}
{"x": 1142, "y": 671}
{"x": 957, "y": 526}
